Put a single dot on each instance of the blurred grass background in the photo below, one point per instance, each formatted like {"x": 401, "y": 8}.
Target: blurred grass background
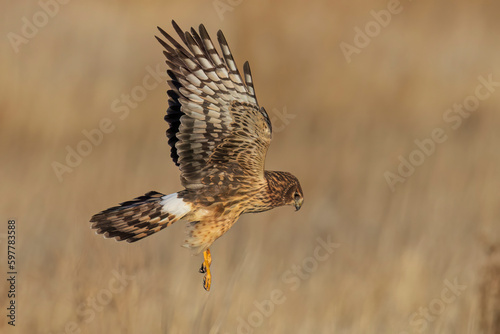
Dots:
{"x": 351, "y": 123}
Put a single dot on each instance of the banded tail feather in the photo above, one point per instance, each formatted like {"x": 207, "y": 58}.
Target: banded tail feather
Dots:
{"x": 141, "y": 217}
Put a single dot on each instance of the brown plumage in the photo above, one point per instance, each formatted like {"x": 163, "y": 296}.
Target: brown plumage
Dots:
{"x": 219, "y": 138}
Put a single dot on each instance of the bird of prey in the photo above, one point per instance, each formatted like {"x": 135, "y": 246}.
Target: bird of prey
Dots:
{"x": 219, "y": 136}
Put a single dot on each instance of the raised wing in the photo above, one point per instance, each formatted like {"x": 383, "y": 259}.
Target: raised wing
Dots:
{"x": 214, "y": 117}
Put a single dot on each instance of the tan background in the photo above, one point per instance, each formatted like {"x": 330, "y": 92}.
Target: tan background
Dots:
{"x": 351, "y": 122}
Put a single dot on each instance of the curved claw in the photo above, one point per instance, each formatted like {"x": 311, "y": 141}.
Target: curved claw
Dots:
{"x": 207, "y": 281}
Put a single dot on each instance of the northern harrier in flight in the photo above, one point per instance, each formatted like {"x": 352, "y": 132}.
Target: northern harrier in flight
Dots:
{"x": 219, "y": 138}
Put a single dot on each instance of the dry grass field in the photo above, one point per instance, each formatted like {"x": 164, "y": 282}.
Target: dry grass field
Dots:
{"x": 364, "y": 255}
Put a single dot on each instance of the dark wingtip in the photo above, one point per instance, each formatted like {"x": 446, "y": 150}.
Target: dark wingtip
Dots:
{"x": 179, "y": 31}
{"x": 160, "y": 41}
{"x": 161, "y": 30}
{"x": 203, "y": 31}
{"x": 220, "y": 36}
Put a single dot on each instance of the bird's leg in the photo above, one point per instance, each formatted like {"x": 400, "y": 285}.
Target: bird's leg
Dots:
{"x": 205, "y": 268}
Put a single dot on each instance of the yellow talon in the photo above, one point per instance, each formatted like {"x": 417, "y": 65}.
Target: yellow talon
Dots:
{"x": 207, "y": 281}
{"x": 205, "y": 268}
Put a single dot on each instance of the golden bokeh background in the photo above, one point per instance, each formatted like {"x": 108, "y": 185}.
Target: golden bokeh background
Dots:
{"x": 339, "y": 127}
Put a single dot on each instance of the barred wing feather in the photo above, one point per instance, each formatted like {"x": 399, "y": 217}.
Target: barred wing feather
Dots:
{"x": 213, "y": 115}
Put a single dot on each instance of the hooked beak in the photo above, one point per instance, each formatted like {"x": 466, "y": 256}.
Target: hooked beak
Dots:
{"x": 298, "y": 204}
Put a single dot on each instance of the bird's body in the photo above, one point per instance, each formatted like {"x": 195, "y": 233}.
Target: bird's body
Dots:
{"x": 219, "y": 138}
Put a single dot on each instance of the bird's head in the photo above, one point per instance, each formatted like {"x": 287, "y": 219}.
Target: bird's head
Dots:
{"x": 284, "y": 189}
{"x": 294, "y": 195}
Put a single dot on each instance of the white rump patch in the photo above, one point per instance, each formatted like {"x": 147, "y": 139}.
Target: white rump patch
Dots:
{"x": 173, "y": 205}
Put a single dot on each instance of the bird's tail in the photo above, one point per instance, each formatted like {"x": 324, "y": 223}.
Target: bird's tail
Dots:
{"x": 140, "y": 217}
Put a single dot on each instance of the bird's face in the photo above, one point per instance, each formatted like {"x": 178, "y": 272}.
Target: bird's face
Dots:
{"x": 295, "y": 196}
